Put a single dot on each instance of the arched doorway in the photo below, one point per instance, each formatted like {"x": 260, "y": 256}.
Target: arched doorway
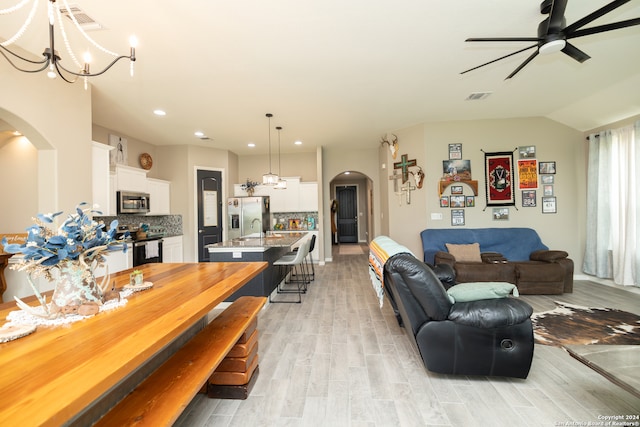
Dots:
{"x": 351, "y": 208}
{"x": 28, "y": 162}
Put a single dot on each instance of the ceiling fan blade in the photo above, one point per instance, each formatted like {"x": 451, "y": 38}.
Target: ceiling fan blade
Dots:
{"x": 498, "y": 59}
{"x": 575, "y": 53}
{"x": 604, "y": 28}
{"x": 526, "y": 61}
{"x": 556, "y": 16}
{"x": 594, "y": 15}
{"x": 502, "y": 39}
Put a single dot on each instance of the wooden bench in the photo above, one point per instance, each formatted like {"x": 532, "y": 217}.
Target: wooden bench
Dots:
{"x": 162, "y": 397}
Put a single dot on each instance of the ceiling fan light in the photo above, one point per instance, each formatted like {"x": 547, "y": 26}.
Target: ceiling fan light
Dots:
{"x": 552, "y": 46}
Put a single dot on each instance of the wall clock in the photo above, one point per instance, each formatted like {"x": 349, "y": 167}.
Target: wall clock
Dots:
{"x": 146, "y": 161}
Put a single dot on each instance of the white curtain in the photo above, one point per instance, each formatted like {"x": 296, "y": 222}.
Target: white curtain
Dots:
{"x": 613, "y": 206}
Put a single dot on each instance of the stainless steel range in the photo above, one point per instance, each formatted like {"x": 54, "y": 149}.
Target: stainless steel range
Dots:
{"x": 147, "y": 246}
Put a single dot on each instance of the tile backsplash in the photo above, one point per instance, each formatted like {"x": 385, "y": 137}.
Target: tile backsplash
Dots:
{"x": 171, "y": 223}
{"x": 294, "y": 220}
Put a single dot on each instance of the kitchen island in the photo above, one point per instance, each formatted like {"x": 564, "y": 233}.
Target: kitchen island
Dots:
{"x": 254, "y": 248}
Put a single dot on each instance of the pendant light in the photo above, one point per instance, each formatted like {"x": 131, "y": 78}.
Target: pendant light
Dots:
{"x": 269, "y": 178}
{"x": 281, "y": 184}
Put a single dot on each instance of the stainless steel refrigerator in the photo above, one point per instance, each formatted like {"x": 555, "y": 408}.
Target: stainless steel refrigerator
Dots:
{"x": 247, "y": 216}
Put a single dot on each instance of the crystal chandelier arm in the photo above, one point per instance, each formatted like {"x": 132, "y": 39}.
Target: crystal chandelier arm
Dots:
{"x": 14, "y": 8}
{"x": 84, "y": 34}
{"x": 44, "y": 62}
{"x": 22, "y": 29}
{"x": 83, "y": 74}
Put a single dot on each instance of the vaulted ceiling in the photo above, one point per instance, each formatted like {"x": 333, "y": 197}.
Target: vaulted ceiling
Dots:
{"x": 341, "y": 72}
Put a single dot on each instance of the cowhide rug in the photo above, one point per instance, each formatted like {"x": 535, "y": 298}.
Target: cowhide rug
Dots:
{"x": 572, "y": 324}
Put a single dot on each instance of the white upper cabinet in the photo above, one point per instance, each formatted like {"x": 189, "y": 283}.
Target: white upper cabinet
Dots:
{"x": 131, "y": 179}
{"x": 308, "y": 197}
{"x": 160, "y": 196}
{"x": 297, "y": 197}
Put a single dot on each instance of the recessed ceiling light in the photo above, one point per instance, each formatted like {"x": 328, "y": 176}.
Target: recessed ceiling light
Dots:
{"x": 199, "y": 134}
{"x": 159, "y": 112}
{"x": 298, "y": 142}
{"x": 251, "y": 144}
{"x": 347, "y": 173}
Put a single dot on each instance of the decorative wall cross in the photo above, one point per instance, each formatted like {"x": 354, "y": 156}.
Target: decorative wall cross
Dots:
{"x": 404, "y": 164}
{"x": 407, "y": 189}
{"x": 395, "y": 177}
{"x": 400, "y": 190}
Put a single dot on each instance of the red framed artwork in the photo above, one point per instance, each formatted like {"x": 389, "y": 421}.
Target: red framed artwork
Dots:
{"x": 499, "y": 178}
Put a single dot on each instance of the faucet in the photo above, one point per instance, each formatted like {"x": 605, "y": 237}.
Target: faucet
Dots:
{"x": 260, "y": 232}
{"x": 254, "y": 220}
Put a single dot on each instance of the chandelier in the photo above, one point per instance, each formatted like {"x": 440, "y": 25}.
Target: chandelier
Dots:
{"x": 270, "y": 178}
{"x": 52, "y": 61}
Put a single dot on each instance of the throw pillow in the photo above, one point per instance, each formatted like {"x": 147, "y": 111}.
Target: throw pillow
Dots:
{"x": 465, "y": 253}
{"x": 475, "y": 291}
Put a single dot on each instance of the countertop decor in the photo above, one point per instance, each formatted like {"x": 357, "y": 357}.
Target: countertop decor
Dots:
{"x": 67, "y": 255}
{"x": 249, "y": 186}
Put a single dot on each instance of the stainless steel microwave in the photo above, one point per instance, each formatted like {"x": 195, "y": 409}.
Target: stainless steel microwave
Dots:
{"x": 130, "y": 202}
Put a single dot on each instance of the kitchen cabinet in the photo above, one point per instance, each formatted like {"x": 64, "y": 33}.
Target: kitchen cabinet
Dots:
{"x": 131, "y": 179}
{"x": 297, "y": 197}
{"x": 308, "y": 197}
{"x": 160, "y": 196}
{"x": 172, "y": 249}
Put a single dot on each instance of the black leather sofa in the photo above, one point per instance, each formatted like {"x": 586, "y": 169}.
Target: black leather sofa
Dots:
{"x": 492, "y": 337}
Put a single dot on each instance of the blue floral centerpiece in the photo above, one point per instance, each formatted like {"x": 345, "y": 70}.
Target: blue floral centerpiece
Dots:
{"x": 68, "y": 256}
{"x": 249, "y": 186}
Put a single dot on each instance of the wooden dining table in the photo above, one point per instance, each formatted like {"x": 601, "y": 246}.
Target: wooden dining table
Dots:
{"x": 57, "y": 372}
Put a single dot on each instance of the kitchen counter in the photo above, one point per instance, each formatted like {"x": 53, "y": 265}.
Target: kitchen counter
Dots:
{"x": 253, "y": 249}
{"x": 257, "y": 244}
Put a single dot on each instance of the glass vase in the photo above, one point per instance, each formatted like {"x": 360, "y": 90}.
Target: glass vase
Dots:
{"x": 76, "y": 286}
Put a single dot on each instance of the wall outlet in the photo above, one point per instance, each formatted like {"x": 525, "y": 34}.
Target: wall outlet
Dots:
{"x": 436, "y": 216}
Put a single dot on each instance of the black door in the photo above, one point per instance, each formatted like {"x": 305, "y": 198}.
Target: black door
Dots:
{"x": 209, "y": 211}
{"x": 347, "y": 196}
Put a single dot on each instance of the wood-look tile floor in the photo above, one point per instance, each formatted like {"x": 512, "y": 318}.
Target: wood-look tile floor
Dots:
{"x": 337, "y": 359}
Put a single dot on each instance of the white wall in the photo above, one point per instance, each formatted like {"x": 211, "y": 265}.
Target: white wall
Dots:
{"x": 18, "y": 166}
{"x": 56, "y": 118}
{"x": 293, "y": 164}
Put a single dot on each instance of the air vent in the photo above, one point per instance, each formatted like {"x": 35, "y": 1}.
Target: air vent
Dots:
{"x": 85, "y": 21}
{"x": 478, "y": 96}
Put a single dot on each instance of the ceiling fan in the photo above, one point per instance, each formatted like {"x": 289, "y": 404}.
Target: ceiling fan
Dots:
{"x": 553, "y": 33}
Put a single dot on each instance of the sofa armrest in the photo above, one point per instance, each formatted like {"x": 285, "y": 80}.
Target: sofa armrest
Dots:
{"x": 548, "y": 256}
{"x": 492, "y": 257}
{"x": 445, "y": 274}
{"x": 443, "y": 257}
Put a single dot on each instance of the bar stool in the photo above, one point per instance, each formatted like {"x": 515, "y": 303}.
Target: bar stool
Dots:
{"x": 308, "y": 261}
{"x": 293, "y": 264}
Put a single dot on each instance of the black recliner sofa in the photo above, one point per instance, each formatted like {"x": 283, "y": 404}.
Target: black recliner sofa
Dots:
{"x": 492, "y": 337}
